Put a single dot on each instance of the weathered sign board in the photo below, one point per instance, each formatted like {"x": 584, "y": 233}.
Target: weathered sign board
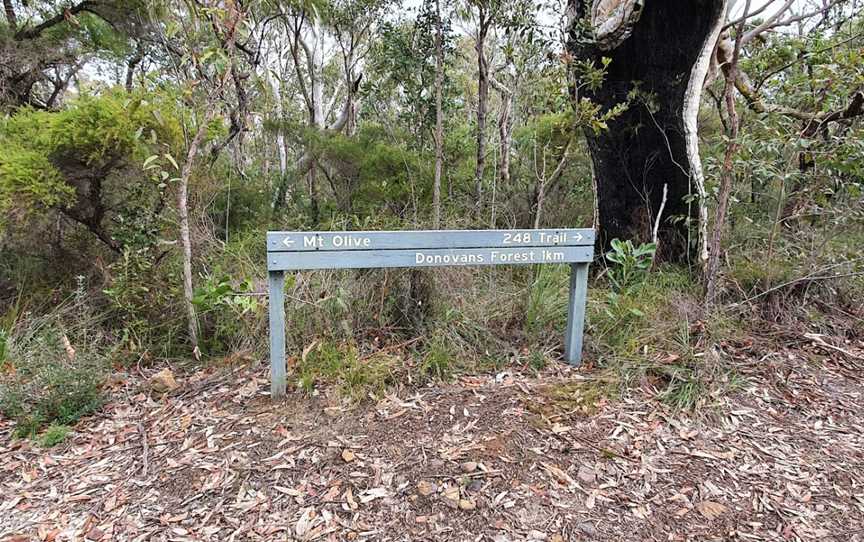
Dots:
{"x": 297, "y": 250}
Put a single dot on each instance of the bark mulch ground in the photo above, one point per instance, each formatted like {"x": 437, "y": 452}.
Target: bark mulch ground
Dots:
{"x": 499, "y": 458}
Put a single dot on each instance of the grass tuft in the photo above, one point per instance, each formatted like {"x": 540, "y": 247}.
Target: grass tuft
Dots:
{"x": 53, "y": 435}
{"x": 54, "y": 369}
{"x": 357, "y": 377}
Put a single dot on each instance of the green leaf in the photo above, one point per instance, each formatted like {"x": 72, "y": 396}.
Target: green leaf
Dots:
{"x": 173, "y": 162}
{"x": 148, "y": 163}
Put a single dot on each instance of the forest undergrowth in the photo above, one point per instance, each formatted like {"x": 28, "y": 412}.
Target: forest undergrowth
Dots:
{"x": 359, "y": 335}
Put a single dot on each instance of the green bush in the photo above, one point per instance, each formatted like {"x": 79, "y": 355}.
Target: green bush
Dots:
{"x": 4, "y": 341}
{"x": 356, "y": 376}
{"x": 370, "y": 170}
{"x": 230, "y": 315}
{"x": 438, "y": 361}
{"x": 44, "y": 383}
{"x": 754, "y": 276}
{"x": 45, "y": 152}
{"x": 547, "y": 300}
{"x": 631, "y": 264}
{"x": 54, "y": 435}
{"x": 621, "y": 324}
{"x": 144, "y": 297}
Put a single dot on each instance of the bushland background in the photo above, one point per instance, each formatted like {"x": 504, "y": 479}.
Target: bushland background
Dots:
{"x": 145, "y": 148}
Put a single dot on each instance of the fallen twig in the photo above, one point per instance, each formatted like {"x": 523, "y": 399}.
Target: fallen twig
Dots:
{"x": 145, "y": 453}
{"x": 819, "y": 341}
{"x": 808, "y": 278}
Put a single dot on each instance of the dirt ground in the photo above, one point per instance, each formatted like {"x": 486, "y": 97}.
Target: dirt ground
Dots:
{"x": 494, "y": 458}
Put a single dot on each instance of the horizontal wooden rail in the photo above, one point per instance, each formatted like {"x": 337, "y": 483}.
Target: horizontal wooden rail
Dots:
{"x": 298, "y": 241}
{"x": 297, "y": 250}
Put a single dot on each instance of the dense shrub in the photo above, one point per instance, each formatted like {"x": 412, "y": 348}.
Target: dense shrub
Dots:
{"x": 59, "y": 159}
{"x": 46, "y": 380}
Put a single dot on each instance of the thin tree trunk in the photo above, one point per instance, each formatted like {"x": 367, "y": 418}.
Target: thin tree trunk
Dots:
{"x": 315, "y": 105}
{"x": 544, "y": 184}
{"x": 132, "y": 66}
{"x": 439, "y": 117}
{"x": 281, "y": 147}
{"x": 482, "y": 99}
{"x": 185, "y": 239}
{"x": 540, "y": 198}
{"x": 505, "y": 130}
{"x": 727, "y": 173}
{"x": 352, "y": 89}
{"x": 313, "y": 192}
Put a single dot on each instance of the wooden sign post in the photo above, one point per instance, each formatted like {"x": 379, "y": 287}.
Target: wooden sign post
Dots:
{"x": 292, "y": 251}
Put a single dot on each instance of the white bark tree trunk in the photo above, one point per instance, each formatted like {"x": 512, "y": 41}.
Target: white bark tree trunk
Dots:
{"x": 692, "y": 101}
{"x": 505, "y": 130}
{"x": 439, "y": 118}
{"x": 483, "y": 26}
{"x": 185, "y": 237}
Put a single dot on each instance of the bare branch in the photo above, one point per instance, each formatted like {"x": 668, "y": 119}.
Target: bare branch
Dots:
{"x": 775, "y": 22}
{"x": 750, "y": 15}
{"x": 498, "y": 86}
{"x": 814, "y": 121}
{"x": 766, "y": 24}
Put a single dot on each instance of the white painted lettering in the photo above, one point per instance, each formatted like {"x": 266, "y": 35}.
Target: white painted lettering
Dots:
{"x": 549, "y": 256}
{"x": 553, "y": 238}
{"x": 448, "y": 259}
{"x": 350, "y": 241}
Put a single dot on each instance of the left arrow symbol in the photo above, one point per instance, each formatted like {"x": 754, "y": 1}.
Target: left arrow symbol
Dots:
{"x": 288, "y": 242}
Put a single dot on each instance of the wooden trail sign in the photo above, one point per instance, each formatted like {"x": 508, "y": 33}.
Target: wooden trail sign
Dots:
{"x": 296, "y": 250}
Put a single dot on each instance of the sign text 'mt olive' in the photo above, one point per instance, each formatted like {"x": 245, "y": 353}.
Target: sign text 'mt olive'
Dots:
{"x": 293, "y": 251}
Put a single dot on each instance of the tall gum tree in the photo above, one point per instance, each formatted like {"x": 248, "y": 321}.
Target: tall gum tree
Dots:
{"x": 658, "y": 56}
{"x": 314, "y": 36}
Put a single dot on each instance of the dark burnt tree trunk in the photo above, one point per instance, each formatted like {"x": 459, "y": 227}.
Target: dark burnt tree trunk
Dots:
{"x": 662, "y": 48}
{"x": 484, "y": 22}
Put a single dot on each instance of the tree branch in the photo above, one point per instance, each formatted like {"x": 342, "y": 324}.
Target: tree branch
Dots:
{"x": 766, "y": 24}
{"x": 813, "y": 121}
{"x": 775, "y": 22}
{"x": 30, "y": 33}
{"x": 498, "y": 86}
{"x": 559, "y": 169}
{"x": 293, "y": 46}
{"x": 754, "y": 13}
